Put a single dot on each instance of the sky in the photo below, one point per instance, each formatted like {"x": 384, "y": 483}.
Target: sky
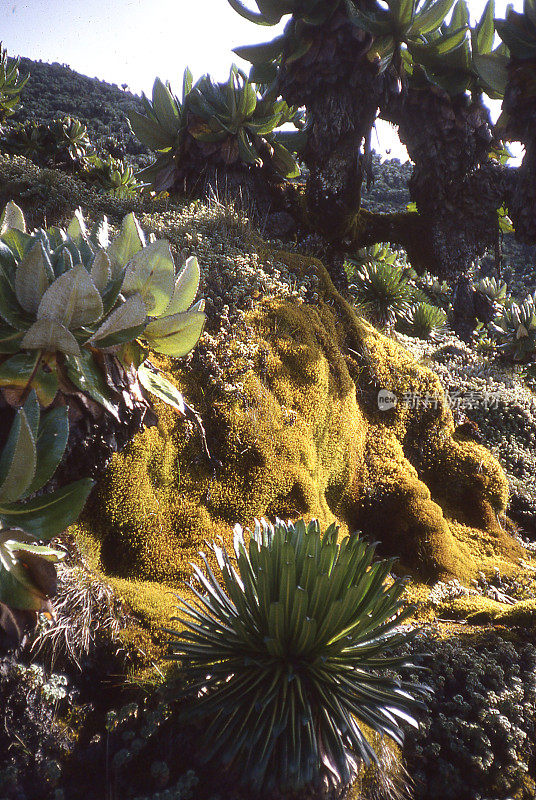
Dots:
{"x": 134, "y": 41}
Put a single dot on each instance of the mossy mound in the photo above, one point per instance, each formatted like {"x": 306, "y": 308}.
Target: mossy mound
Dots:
{"x": 286, "y": 379}
{"x": 477, "y": 610}
{"x": 302, "y": 435}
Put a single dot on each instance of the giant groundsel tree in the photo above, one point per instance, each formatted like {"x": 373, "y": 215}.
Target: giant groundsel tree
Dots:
{"x": 422, "y": 66}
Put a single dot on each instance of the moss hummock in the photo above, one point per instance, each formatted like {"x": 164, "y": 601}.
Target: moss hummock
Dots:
{"x": 304, "y": 436}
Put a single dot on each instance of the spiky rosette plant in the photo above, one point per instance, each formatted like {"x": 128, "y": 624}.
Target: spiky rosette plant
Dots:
{"x": 61, "y": 143}
{"x": 11, "y": 85}
{"x": 215, "y": 125}
{"x": 33, "y": 448}
{"x": 381, "y": 290}
{"x": 423, "y": 320}
{"x": 514, "y": 330}
{"x": 286, "y": 657}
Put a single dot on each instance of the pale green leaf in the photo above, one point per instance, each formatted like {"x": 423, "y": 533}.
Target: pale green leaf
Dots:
{"x": 129, "y": 240}
{"x": 185, "y": 288}
{"x": 130, "y": 314}
{"x": 12, "y": 218}
{"x": 101, "y": 271}
{"x": 165, "y": 108}
{"x": 175, "y": 335}
{"x": 72, "y": 300}
{"x": 31, "y": 278}
{"x": 150, "y": 272}
{"x": 49, "y": 335}
{"x": 485, "y": 30}
{"x": 158, "y": 385}
{"x": 77, "y": 227}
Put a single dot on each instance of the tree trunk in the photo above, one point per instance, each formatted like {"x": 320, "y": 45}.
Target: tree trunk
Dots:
{"x": 341, "y": 90}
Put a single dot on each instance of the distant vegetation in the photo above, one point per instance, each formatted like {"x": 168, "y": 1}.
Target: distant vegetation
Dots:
{"x": 55, "y": 90}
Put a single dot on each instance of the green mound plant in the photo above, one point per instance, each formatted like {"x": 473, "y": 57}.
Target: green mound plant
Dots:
{"x": 514, "y": 330}
{"x": 286, "y": 656}
{"x": 75, "y": 306}
{"x": 11, "y": 85}
{"x": 215, "y": 123}
{"x": 34, "y": 447}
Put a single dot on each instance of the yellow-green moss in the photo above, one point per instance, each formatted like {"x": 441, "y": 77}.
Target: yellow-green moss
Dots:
{"x": 305, "y": 437}
{"x": 473, "y": 608}
{"x": 477, "y": 609}
{"x": 153, "y": 606}
{"x": 522, "y": 613}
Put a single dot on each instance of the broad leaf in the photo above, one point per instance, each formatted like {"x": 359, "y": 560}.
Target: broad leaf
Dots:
{"x": 17, "y": 240}
{"x": 12, "y": 218}
{"x": 165, "y": 109}
{"x": 259, "y": 54}
{"x": 485, "y": 30}
{"x": 27, "y": 572}
{"x": 48, "y": 515}
{"x": 50, "y": 336}
{"x": 150, "y": 273}
{"x": 130, "y": 315}
{"x": 149, "y": 132}
{"x": 32, "y": 278}
{"x": 283, "y": 161}
{"x": 492, "y": 70}
{"x": 175, "y": 335}
{"x": 51, "y": 442}
{"x": 16, "y": 371}
{"x": 129, "y": 240}
{"x": 18, "y": 460}
{"x": 72, "y": 300}
{"x": 76, "y": 229}
{"x": 158, "y": 385}
{"x": 86, "y": 376}
{"x": 101, "y": 271}
{"x": 185, "y": 288}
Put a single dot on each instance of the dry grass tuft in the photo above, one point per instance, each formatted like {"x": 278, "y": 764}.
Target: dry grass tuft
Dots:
{"x": 88, "y": 616}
